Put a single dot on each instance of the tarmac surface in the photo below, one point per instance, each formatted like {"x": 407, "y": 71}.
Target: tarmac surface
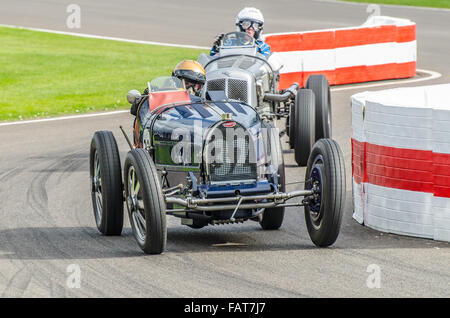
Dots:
{"x": 47, "y": 221}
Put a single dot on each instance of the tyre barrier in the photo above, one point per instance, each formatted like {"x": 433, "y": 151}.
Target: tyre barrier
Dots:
{"x": 381, "y": 48}
{"x": 401, "y": 160}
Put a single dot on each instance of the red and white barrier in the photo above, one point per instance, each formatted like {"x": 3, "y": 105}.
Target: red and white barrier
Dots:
{"x": 381, "y": 48}
{"x": 401, "y": 160}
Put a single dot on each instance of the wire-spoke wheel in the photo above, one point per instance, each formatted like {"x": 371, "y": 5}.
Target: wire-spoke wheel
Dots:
{"x": 97, "y": 182}
{"x": 106, "y": 183}
{"x": 136, "y": 205}
{"x": 145, "y": 202}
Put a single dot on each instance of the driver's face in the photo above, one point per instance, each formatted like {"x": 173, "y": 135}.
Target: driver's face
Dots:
{"x": 250, "y": 31}
{"x": 194, "y": 86}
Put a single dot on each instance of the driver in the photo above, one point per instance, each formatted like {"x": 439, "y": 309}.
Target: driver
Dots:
{"x": 251, "y": 21}
{"x": 192, "y": 74}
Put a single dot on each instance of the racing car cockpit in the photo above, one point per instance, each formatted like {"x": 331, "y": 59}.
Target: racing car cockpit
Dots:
{"x": 237, "y": 43}
{"x": 162, "y": 90}
{"x": 241, "y": 71}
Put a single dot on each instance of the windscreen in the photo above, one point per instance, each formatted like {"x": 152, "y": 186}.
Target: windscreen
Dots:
{"x": 237, "y": 39}
{"x": 166, "y": 83}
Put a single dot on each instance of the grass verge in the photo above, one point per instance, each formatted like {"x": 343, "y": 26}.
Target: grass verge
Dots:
{"x": 417, "y": 3}
{"x": 44, "y": 74}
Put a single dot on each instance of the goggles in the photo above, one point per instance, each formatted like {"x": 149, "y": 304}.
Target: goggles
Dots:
{"x": 245, "y": 24}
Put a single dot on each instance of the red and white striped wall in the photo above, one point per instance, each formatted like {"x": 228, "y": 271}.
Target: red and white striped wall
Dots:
{"x": 381, "y": 48}
{"x": 401, "y": 160}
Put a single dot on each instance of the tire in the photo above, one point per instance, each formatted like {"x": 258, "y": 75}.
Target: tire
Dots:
{"x": 321, "y": 88}
{"x": 146, "y": 205}
{"x": 272, "y": 218}
{"x": 292, "y": 125}
{"x": 304, "y": 126}
{"x": 323, "y": 217}
{"x": 106, "y": 183}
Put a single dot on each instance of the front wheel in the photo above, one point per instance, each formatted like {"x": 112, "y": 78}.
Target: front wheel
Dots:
{"x": 145, "y": 202}
{"x": 325, "y": 171}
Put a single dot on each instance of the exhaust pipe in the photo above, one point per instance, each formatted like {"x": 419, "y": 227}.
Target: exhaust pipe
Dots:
{"x": 290, "y": 92}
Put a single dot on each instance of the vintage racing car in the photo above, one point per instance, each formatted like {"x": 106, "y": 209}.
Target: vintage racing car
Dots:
{"x": 246, "y": 75}
{"x": 209, "y": 161}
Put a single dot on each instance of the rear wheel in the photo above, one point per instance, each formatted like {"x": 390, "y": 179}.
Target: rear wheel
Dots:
{"x": 321, "y": 88}
{"x": 291, "y": 127}
{"x": 324, "y": 212}
{"x": 106, "y": 183}
{"x": 145, "y": 202}
{"x": 304, "y": 125}
{"x": 272, "y": 218}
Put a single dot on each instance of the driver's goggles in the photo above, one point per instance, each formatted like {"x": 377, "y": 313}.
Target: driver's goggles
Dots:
{"x": 245, "y": 24}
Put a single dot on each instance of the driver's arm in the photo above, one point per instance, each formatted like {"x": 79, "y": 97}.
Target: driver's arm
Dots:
{"x": 264, "y": 48}
{"x": 215, "y": 49}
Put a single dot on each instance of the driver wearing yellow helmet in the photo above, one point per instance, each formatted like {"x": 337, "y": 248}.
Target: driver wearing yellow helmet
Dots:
{"x": 192, "y": 74}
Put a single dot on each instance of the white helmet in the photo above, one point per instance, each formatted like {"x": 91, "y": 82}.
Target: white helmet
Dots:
{"x": 252, "y": 14}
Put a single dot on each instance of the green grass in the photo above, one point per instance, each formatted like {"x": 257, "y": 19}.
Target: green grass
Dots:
{"x": 419, "y": 3}
{"x": 43, "y": 74}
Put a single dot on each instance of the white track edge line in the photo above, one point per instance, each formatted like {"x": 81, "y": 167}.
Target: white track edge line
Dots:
{"x": 34, "y": 121}
{"x": 433, "y": 75}
{"x": 101, "y": 37}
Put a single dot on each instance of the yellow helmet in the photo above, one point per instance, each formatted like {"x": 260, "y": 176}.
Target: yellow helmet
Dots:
{"x": 191, "y": 71}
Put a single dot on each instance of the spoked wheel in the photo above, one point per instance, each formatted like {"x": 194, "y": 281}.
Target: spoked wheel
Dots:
{"x": 326, "y": 172}
{"x": 272, "y": 218}
{"x": 319, "y": 85}
{"x": 135, "y": 205}
{"x": 106, "y": 183}
{"x": 304, "y": 125}
{"x": 145, "y": 202}
{"x": 97, "y": 191}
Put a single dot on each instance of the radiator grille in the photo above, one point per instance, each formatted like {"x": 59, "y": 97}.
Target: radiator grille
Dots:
{"x": 237, "y": 89}
{"x": 233, "y": 160}
{"x": 216, "y": 85}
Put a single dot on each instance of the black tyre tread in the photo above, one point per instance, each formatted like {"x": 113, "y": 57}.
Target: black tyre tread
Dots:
{"x": 106, "y": 146}
{"x": 336, "y": 202}
{"x": 304, "y": 126}
{"x": 156, "y": 237}
{"x": 318, "y": 83}
{"x": 292, "y": 126}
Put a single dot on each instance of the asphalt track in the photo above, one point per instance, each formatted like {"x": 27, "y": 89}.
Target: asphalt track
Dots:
{"x": 46, "y": 214}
